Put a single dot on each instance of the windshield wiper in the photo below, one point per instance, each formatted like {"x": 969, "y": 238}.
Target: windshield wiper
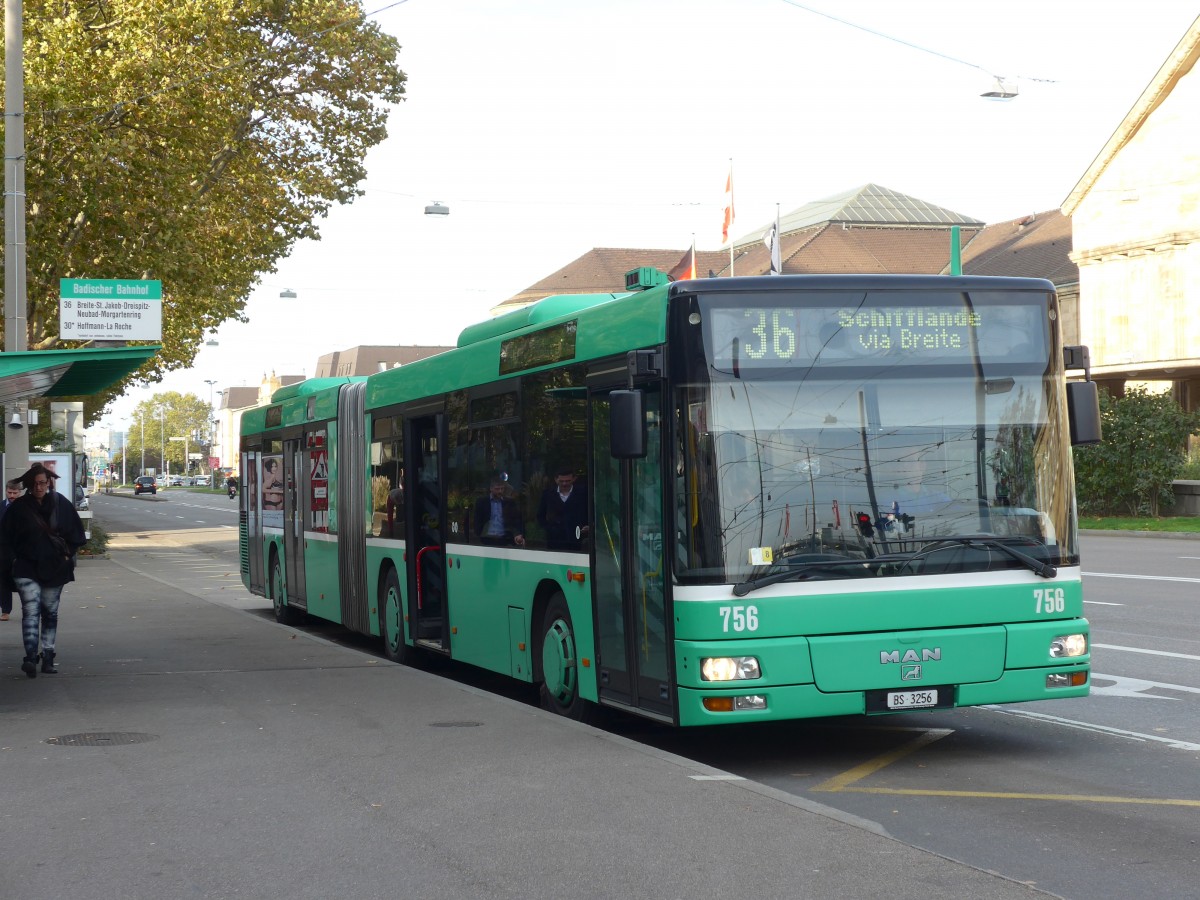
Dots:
{"x": 1036, "y": 566}
{"x": 801, "y": 569}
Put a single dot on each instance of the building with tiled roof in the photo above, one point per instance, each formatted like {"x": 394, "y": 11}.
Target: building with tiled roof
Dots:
{"x": 1033, "y": 246}
{"x": 602, "y": 270}
{"x": 365, "y": 359}
{"x": 867, "y": 229}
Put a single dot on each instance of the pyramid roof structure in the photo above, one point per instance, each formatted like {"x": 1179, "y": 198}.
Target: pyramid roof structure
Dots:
{"x": 866, "y": 206}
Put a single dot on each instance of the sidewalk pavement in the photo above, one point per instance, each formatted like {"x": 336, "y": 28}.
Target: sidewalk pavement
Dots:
{"x": 192, "y": 747}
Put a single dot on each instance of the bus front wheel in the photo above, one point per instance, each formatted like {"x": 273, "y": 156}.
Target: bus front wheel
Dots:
{"x": 560, "y": 663}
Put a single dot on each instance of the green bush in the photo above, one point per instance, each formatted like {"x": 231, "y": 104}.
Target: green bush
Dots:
{"x": 1191, "y": 466}
{"x": 97, "y": 544}
{"x": 1143, "y": 451}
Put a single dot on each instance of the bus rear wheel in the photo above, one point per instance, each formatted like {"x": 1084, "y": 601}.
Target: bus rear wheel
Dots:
{"x": 560, "y": 663}
{"x": 391, "y": 622}
{"x": 284, "y": 614}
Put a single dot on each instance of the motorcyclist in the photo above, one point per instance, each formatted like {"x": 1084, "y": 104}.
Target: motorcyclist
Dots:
{"x": 231, "y": 484}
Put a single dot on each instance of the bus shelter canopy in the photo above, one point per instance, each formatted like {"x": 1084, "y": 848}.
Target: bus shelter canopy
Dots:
{"x": 67, "y": 373}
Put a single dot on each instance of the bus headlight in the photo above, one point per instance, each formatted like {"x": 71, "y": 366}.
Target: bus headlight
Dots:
{"x": 729, "y": 668}
{"x": 1069, "y": 645}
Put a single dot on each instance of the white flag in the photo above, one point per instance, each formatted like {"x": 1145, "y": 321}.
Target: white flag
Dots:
{"x": 771, "y": 239}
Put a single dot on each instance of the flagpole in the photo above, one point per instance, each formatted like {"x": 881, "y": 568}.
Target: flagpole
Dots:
{"x": 731, "y": 215}
{"x": 779, "y": 250}
{"x": 695, "y": 273}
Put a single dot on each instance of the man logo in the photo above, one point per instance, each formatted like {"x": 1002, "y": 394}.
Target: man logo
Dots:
{"x": 910, "y": 656}
{"x": 910, "y": 673}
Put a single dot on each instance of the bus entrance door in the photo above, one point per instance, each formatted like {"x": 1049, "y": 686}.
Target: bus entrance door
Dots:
{"x": 293, "y": 522}
{"x": 632, "y": 627}
{"x": 427, "y": 562}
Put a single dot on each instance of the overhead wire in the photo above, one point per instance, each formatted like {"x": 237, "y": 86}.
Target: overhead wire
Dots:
{"x": 910, "y": 44}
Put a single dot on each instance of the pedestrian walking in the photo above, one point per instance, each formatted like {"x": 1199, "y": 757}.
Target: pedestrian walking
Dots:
{"x": 12, "y": 491}
{"x": 39, "y": 537}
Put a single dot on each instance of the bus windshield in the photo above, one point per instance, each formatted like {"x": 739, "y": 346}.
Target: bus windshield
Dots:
{"x": 870, "y": 434}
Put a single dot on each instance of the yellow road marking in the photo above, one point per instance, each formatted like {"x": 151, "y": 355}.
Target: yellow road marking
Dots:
{"x": 870, "y": 767}
{"x": 1000, "y": 795}
{"x": 847, "y": 780}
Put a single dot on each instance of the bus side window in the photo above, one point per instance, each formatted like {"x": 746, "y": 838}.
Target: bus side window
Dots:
{"x": 387, "y": 480}
{"x": 493, "y": 459}
{"x": 554, "y": 435}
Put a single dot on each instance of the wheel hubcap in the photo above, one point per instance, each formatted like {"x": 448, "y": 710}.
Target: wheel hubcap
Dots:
{"x": 277, "y": 592}
{"x": 558, "y": 662}
{"x": 391, "y": 620}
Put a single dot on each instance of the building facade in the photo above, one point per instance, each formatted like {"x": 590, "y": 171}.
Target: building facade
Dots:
{"x": 1136, "y": 223}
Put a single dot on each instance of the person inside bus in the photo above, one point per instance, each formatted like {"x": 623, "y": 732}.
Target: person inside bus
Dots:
{"x": 395, "y": 508}
{"x": 563, "y": 512}
{"x": 498, "y": 519}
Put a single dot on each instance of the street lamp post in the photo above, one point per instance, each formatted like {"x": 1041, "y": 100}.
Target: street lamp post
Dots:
{"x": 162, "y": 439}
{"x": 124, "y": 453}
{"x": 211, "y": 424}
{"x": 142, "y": 423}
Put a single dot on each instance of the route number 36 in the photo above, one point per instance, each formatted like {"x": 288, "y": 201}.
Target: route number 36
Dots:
{"x": 743, "y": 618}
{"x": 1049, "y": 600}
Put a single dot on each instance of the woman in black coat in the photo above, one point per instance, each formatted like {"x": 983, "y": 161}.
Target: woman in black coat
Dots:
{"x": 39, "y": 537}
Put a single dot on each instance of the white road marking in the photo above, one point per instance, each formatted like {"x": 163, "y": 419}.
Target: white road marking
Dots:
{"x": 1141, "y": 577}
{"x": 1136, "y": 687}
{"x": 1148, "y": 652}
{"x": 1099, "y": 729}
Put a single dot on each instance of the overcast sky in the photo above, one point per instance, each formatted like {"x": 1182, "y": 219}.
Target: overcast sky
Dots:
{"x": 550, "y": 127}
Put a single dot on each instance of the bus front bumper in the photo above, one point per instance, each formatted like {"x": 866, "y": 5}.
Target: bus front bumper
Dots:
{"x": 804, "y": 701}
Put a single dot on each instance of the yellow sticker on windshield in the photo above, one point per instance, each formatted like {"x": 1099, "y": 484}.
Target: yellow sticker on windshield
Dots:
{"x": 761, "y": 556}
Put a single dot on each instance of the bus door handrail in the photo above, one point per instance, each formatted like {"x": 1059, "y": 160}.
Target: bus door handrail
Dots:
{"x": 420, "y": 553}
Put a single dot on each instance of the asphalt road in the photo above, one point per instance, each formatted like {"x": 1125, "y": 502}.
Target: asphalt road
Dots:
{"x": 1095, "y": 798}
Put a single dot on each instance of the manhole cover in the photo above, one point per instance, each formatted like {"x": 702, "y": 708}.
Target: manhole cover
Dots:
{"x": 101, "y": 739}
{"x": 455, "y": 724}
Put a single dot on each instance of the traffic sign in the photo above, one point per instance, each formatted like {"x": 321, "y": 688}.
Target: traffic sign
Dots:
{"x": 109, "y": 309}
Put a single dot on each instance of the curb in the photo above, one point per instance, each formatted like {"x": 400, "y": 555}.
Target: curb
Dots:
{"x": 1115, "y": 532}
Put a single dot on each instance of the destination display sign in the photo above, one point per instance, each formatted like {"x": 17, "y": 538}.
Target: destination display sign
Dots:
{"x": 109, "y": 309}
{"x": 870, "y": 332}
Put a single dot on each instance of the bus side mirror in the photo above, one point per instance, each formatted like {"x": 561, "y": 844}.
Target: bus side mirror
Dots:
{"x": 1083, "y": 412}
{"x": 627, "y": 425}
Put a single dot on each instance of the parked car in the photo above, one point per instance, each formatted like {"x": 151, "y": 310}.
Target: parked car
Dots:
{"x": 201, "y": 481}
{"x": 145, "y": 484}
{"x": 176, "y": 481}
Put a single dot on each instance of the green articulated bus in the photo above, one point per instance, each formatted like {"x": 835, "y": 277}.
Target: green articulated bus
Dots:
{"x": 709, "y": 501}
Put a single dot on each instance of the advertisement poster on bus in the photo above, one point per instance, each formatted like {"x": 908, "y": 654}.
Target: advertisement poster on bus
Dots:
{"x": 318, "y": 479}
{"x": 272, "y": 491}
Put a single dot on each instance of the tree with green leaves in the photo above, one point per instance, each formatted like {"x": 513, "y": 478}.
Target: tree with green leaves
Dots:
{"x": 1144, "y": 448}
{"x": 156, "y": 421}
{"x": 194, "y": 142}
